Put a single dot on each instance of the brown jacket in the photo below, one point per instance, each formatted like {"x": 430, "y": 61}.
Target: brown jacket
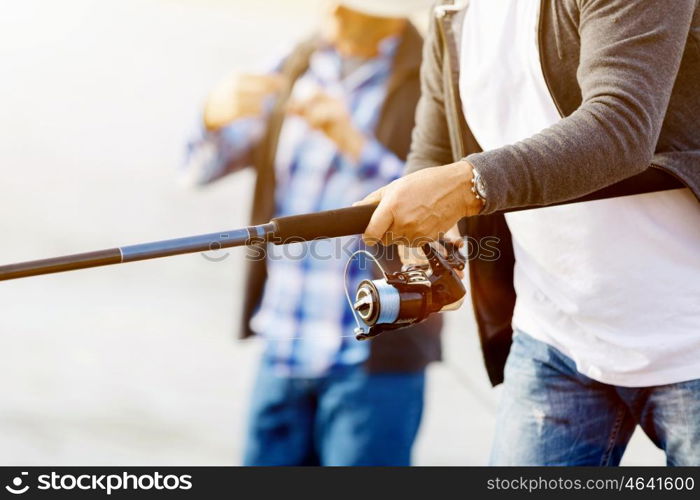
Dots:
{"x": 625, "y": 76}
{"x": 402, "y": 351}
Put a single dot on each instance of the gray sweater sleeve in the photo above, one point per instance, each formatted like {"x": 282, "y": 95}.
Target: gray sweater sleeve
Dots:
{"x": 430, "y": 141}
{"x": 630, "y": 55}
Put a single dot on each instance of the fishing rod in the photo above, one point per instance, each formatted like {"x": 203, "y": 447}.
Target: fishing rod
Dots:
{"x": 280, "y": 230}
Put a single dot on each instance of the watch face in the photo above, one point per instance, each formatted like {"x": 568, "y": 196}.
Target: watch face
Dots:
{"x": 480, "y": 187}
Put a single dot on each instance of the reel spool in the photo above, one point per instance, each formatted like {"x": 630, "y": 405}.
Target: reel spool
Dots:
{"x": 409, "y": 296}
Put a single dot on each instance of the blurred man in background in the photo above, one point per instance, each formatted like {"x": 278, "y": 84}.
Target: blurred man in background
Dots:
{"x": 328, "y": 125}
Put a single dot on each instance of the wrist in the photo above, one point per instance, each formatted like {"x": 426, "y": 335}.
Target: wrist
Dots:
{"x": 473, "y": 202}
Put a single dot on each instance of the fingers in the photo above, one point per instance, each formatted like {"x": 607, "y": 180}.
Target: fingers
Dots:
{"x": 378, "y": 226}
{"x": 301, "y": 107}
{"x": 238, "y": 96}
{"x": 454, "y": 236}
{"x": 371, "y": 199}
{"x": 411, "y": 256}
{"x": 330, "y": 116}
{"x": 264, "y": 84}
{"x": 320, "y": 110}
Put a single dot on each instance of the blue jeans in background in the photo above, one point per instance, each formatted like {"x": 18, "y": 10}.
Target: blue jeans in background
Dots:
{"x": 349, "y": 417}
{"x": 553, "y": 415}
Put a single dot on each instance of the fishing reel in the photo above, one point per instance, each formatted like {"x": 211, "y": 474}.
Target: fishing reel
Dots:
{"x": 409, "y": 296}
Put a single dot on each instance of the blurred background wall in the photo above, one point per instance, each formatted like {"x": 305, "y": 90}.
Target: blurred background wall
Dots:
{"x": 138, "y": 364}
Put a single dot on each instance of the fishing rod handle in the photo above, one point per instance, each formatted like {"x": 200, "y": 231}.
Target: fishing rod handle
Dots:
{"x": 327, "y": 224}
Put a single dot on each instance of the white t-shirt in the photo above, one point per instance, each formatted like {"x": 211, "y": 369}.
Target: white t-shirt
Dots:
{"x": 613, "y": 284}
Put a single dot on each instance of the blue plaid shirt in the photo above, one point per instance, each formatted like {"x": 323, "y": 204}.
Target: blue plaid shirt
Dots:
{"x": 304, "y": 315}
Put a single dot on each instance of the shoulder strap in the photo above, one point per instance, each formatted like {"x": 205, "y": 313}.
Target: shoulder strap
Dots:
{"x": 293, "y": 67}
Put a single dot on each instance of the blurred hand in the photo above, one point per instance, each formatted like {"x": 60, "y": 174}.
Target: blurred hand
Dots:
{"x": 421, "y": 205}
{"x": 411, "y": 256}
{"x": 330, "y": 116}
{"x": 239, "y": 96}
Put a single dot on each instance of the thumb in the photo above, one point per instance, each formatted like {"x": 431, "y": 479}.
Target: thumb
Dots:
{"x": 371, "y": 199}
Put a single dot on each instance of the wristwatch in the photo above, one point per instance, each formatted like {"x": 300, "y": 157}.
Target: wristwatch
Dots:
{"x": 478, "y": 186}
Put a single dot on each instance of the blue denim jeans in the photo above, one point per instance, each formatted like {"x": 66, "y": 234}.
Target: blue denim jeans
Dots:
{"x": 551, "y": 414}
{"x": 349, "y": 417}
